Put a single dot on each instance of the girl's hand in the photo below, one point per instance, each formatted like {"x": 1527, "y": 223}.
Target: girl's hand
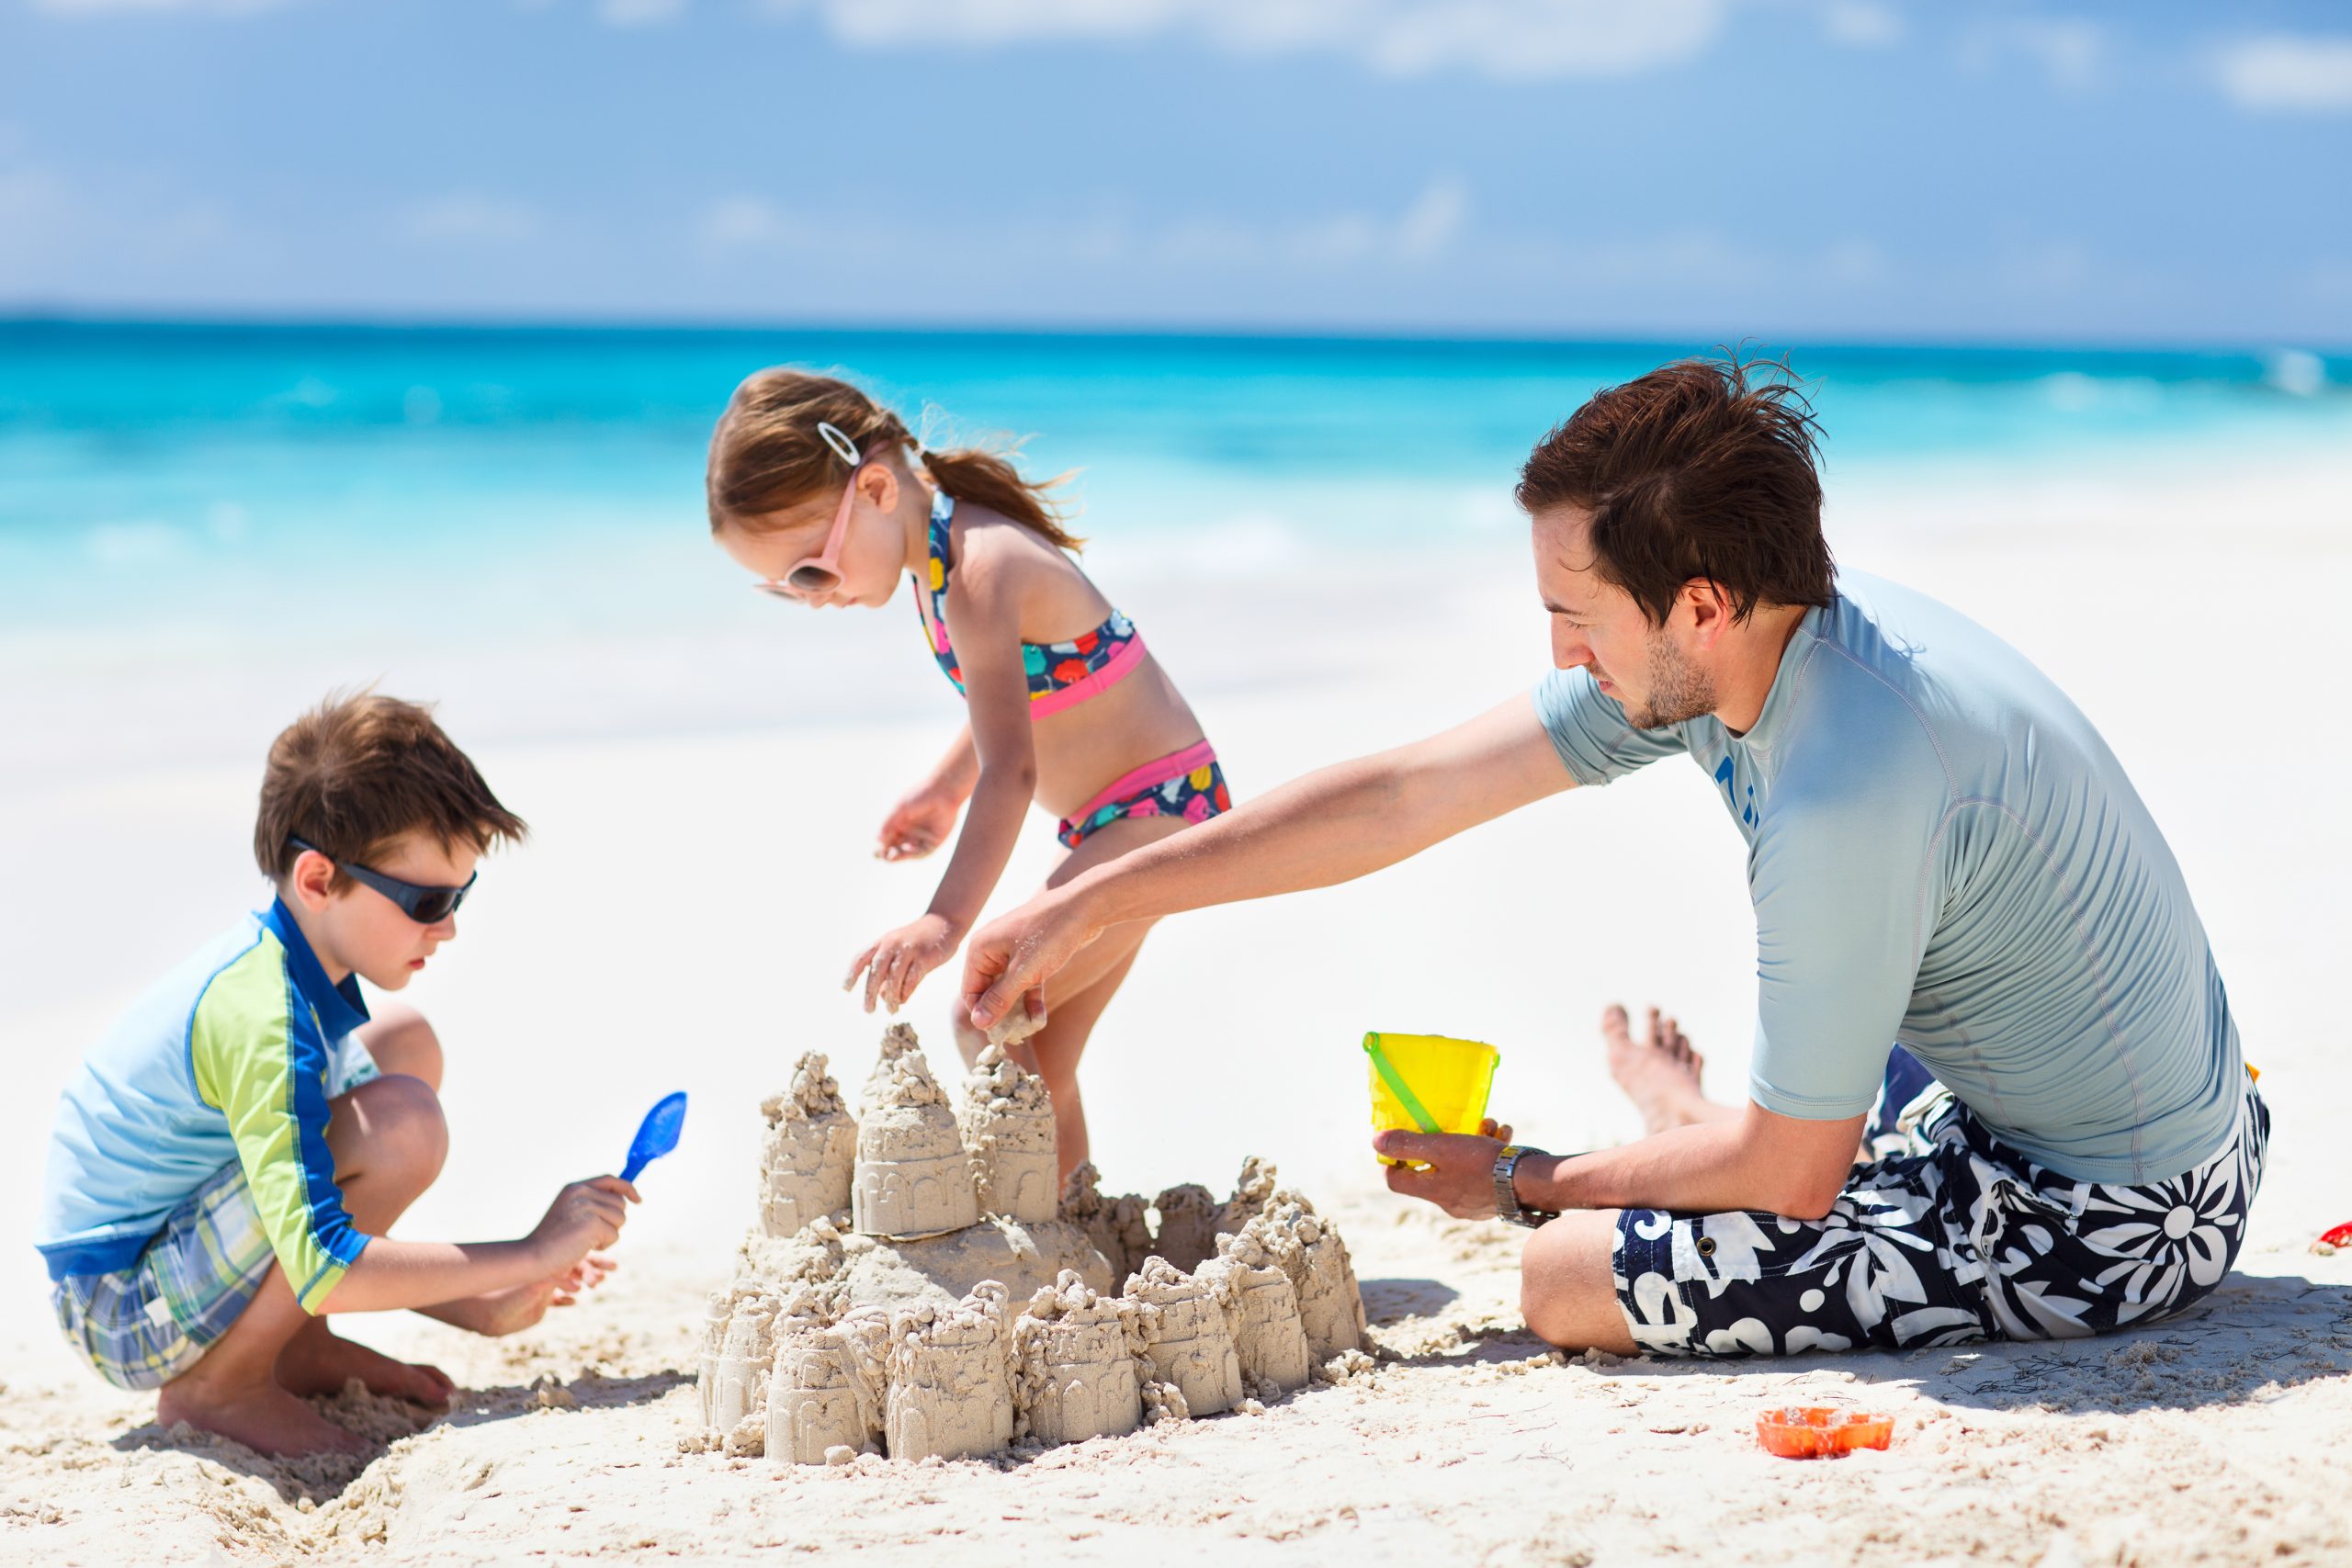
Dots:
{"x": 918, "y": 823}
{"x": 896, "y": 965}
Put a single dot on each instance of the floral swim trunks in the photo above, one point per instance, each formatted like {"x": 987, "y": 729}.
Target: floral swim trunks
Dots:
{"x": 1959, "y": 1238}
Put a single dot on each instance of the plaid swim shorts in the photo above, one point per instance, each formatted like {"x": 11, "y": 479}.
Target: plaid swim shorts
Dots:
{"x": 141, "y": 1326}
{"x": 1958, "y": 1238}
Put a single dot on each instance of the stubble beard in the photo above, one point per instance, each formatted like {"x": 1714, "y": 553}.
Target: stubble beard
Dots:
{"x": 1679, "y": 691}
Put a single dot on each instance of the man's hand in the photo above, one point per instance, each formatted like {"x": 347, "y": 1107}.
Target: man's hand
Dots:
{"x": 1015, "y": 956}
{"x": 1460, "y": 1175}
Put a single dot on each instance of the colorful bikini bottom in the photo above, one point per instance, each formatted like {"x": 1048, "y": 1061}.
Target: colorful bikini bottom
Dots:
{"x": 1187, "y": 784}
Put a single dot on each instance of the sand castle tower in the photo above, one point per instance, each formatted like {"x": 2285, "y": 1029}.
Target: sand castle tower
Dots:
{"x": 1261, "y": 1306}
{"x": 808, "y": 1152}
{"x": 1076, "y": 1358}
{"x": 1186, "y": 1338}
{"x": 825, "y": 1391}
{"x": 1009, "y": 1128}
{"x": 950, "y": 1378}
{"x": 737, "y": 1352}
{"x": 1330, "y": 1307}
{"x": 1186, "y": 1235}
{"x": 913, "y": 1177}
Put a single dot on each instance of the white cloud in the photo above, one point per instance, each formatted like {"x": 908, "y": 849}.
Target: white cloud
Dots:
{"x": 2281, "y": 74}
{"x": 466, "y": 218}
{"x": 2070, "y": 50}
{"x": 1519, "y": 39}
{"x": 1862, "y": 24}
{"x": 640, "y": 13}
{"x": 750, "y": 223}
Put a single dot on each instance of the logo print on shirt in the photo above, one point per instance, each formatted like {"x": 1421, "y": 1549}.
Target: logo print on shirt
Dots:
{"x": 1746, "y": 814}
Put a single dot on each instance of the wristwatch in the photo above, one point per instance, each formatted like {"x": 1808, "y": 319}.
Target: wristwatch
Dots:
{"x": 1506, "y": 1205}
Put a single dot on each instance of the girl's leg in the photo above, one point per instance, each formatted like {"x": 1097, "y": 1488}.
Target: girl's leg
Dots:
{"x": 1075, "y": 997}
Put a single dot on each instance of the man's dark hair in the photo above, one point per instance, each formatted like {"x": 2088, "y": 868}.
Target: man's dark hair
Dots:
{"x": 1703, "y": 468}
{"x": 355, "y": 772}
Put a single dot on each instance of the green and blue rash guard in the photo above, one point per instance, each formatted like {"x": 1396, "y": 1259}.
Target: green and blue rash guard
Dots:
{"x": 229, "y": 1058}
{"x": 1942, "y": 853}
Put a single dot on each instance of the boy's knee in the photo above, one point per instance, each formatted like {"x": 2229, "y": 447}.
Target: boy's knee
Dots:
{"x": 404, "y": 1044}
{"x": 405, "y": 1129}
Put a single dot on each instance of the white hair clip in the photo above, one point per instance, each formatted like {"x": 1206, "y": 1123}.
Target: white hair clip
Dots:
{"x": 842, "y": 445}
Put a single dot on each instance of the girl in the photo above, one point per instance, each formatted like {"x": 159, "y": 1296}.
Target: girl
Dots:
{"x": 825, "y": 498}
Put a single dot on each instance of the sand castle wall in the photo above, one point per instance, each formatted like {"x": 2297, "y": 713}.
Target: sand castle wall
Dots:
{"x": 899, "y": 1332}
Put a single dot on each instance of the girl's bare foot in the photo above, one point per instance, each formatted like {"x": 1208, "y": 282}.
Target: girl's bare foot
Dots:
{"x": 263, "y": 1416}
{"x": 1660, "y": 1072}
{"x": 318, "y": 1362}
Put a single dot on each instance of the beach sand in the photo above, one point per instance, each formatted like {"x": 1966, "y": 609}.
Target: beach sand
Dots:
{"x": 692, "y": 894}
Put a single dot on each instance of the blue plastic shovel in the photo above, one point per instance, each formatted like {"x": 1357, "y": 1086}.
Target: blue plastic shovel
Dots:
{"x": 657, "y": 1134}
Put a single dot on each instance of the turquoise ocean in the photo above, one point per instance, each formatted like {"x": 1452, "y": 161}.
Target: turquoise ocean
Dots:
{"x": 174, "y": 494}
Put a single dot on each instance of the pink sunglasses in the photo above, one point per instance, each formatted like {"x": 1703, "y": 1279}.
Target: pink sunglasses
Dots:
{"x": 821, "y": 572}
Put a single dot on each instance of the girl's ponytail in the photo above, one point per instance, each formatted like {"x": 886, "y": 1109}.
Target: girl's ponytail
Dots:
{"x": 765, "y": 456}
{"x": 986, "y": 479}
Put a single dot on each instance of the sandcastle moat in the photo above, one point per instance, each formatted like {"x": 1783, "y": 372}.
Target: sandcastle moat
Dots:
{"x": 917, "y": 1286}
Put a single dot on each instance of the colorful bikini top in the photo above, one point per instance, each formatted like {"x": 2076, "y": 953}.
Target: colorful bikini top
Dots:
{"x": 1060, "y": 673}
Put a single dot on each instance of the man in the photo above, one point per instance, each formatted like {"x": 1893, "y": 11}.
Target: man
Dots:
{"x": 1942, "y": 853}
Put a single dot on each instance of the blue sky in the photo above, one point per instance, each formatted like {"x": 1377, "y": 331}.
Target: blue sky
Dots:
{"x": 1853, "y": 169}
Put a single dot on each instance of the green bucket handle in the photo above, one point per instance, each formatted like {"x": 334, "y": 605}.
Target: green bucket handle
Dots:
{"x": 1398, "y": 1085}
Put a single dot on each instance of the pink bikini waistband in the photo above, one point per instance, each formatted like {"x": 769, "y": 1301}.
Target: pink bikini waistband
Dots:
{"x": 1175, "y": 764}
{"x": 1114, "y": 668}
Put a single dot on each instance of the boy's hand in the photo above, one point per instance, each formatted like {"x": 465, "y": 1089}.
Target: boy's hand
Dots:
{"x": 581, "y": 1278}
{"x": 585, "y": 1217}
{"x": 895, "y": 966}
{"x": 918, "y": 823}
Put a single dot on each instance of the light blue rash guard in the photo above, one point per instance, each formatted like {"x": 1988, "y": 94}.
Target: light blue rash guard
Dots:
{"x": 1943, "y": 853}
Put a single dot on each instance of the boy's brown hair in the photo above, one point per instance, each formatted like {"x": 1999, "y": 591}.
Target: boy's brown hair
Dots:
{"x": 357, "y": 771}
{"x": 1701, "y": 469}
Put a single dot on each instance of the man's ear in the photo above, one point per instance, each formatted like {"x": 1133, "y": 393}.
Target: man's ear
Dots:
{"x": 311, "y": 881}
{"x": 1710, "y": 611}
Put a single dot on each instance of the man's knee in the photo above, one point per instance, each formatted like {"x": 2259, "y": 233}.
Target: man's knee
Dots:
{"x": 402, "y": 1043}
{"x": 398, "y": 1129}
{"x": 1566, "y": 1290}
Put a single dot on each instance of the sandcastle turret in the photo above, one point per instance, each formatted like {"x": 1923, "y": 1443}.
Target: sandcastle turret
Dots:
{"x": 1075, "y": 1364}
{"x": 913, "y": 1174}
{"x": 1118, "y": 1227}
{"x": 736, "y": 1357}
{"x": 1330, "y": 1307}
{"x": 827, "y": 1389}
{"x": 950, "y": 1378}
{"x": 1008, "y": 1127}
{"x": 808, "y": 1150}
{"x": 1186, "y": 1339}
{"x": 1261, "y": 1306}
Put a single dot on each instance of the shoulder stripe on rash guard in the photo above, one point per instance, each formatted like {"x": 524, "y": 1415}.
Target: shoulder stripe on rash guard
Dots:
{"x": 261, "y": 1061}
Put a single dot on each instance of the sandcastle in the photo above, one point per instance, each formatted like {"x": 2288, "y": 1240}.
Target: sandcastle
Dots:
{"x": 916, "y": 1287}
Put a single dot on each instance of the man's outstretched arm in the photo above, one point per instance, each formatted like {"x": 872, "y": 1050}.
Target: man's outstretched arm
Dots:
{"x": 1333, "y": 825}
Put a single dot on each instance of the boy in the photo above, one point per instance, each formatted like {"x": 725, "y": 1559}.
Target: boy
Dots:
{"x": 226, "y": 1161}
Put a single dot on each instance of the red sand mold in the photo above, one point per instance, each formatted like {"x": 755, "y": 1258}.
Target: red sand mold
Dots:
{"x": 1818, "y": 1432}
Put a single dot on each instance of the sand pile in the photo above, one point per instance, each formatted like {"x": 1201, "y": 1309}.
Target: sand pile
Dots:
{"x": 915, "y": 1289}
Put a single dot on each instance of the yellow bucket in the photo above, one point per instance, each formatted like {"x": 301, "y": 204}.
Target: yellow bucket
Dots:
{"x": 1428, "y": 1083}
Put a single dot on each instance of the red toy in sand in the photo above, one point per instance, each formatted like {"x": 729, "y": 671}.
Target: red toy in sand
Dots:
{"x": 1818, "y": 1432}
{"x": 2340, "y": 1236}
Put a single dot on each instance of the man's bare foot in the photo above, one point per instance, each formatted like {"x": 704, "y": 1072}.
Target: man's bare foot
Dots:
{"x": 318, "y": 1362}
{"x": 1660, "y": 1074}
{"x": 263, "y": 1416}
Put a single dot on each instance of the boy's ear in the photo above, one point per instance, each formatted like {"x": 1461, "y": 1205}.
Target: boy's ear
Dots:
{"x": 311, "y": 880}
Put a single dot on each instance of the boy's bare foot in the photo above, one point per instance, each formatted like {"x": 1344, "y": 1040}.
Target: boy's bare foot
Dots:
{"x": 318, "y": 1362}
{"x": 263, "y": 1416}
{"x": 1660, "y": 1074}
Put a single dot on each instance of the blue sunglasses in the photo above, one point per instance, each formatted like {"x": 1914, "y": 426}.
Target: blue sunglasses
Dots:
{"x": 425, "y": 906}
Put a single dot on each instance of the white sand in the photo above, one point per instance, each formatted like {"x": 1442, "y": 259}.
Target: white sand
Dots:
{"x": 685, "y": 914}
